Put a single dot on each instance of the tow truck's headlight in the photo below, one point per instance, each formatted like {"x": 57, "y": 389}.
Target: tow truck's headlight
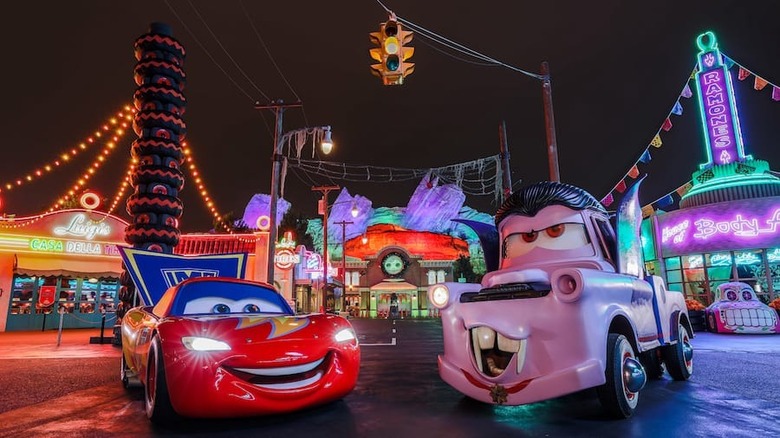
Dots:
{"x": 439, "y": 295}
{"x": 345, "y": 335}
{"x": 196, "y": 343}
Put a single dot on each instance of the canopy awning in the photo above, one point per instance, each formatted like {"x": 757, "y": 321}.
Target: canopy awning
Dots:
{"x": 393, "y": 286}
{"x": 55, "y": 266}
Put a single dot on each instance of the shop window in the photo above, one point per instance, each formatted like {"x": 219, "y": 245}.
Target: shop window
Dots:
{"x": 355, "y": 278}
{"x": 67, "y": 294}
{"x": 773, "y": 257}
{"x": 719, "y": 266}
{"x": 109, "y": 288}
{"x": 440, "y": 276}
{"x": 672, "y": 263}
{"x": 674, "y": 276}
{"x": 751, "y": 270}
{"x": 431, "y": 277}
{"x": 22, "y": 295}
{"x": 675, "y": 287}
{"x": 88, "y": 295}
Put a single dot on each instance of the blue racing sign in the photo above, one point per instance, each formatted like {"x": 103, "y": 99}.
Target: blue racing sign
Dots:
{"x": 153, "y": 272}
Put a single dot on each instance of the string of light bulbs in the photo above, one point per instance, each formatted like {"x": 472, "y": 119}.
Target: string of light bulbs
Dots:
{"x": 120, "y": 121}
{"x": 204, "y": 194}
{"x": 120, "y": 193}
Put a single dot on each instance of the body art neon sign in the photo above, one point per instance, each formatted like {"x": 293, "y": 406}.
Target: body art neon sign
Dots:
{"x": 718, "y": 108}
{"x": 743, "y": 224}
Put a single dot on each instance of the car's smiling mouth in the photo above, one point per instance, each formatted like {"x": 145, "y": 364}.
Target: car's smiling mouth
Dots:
{"x": 284, "y": 378}
{"x": 493, "y": 351}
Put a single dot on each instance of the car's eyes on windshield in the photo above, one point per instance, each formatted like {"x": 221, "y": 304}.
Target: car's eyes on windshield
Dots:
{"x": 220, "y": 308}
{"x": 227, "y": 306}
{"x": 251, "y": 308}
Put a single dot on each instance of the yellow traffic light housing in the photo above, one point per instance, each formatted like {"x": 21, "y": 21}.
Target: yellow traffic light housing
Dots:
{"x": 392, "y": 52}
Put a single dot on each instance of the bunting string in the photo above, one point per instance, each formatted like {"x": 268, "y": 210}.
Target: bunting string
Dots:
{"x": 656, "y": 142}
{"x": 759, "y": 83}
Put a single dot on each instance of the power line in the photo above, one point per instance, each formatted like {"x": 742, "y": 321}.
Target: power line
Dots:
{"x": 213, "y": 35}
{"x": 192, "y": 34}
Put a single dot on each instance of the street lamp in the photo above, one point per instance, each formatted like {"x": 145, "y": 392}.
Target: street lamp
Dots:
{"x": 326, "y": 145}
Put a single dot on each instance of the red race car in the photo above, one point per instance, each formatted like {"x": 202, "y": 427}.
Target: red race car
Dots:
{"x": 223, "y": 347}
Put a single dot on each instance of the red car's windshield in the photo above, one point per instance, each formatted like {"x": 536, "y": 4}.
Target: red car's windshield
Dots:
{"x": 227, "y": 297}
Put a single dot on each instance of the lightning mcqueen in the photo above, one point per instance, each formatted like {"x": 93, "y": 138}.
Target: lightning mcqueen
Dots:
{"x": 222, "y": 347}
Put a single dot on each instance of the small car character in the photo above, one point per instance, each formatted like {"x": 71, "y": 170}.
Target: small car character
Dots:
{"x": 737, "y": 310}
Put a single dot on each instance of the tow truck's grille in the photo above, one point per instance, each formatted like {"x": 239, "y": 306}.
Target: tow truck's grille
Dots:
{"x": 510, "y": 291}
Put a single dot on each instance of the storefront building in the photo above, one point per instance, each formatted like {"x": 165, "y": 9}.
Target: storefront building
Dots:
{"x": 728, "y": 225}
{"x": 62, "y": 260}
{"x": 389, "y": 269}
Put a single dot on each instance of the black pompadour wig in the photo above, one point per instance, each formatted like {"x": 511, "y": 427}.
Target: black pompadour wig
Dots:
{"x": 531, "y": 199}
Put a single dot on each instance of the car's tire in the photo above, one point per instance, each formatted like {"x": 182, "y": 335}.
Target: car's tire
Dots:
{"x": 618, "y": 401}
{"x": 157, "y": 403}
{"x": 679, "y": 357}
{"x": 654, "y": 366}
{"x": 712, "y": 324}
{"x": 127, "y": 377}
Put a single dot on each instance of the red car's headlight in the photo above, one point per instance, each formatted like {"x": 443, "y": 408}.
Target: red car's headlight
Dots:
{"x": 196, "y": 343}
{"x": 345, "y": 335}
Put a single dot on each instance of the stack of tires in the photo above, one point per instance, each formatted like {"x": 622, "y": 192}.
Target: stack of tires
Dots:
{"x": 154, "y": 205}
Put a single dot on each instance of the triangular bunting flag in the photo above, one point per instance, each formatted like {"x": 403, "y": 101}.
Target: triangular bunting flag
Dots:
{"x": 775, "y": 93}
{"x": 759, "y": 84}
{"x": 677, "y": 110}
{"x": 686, "y": 93}
{"x": 728, "y": 61}
{"x": 656, "y": 141}
{"x": 607, "y": 201}
{"x": 634, "y": 172}
{"x": 645, "y": 158}
{"x": 693, "y": 74}
{"x": 684, "y": 189}
{"x": 743, "y": 74}
{"x": 666, "y": 201}
{"x": 667, "y": 125}
{"x": 621, "y": 187}
{"x": 647, "y": 211}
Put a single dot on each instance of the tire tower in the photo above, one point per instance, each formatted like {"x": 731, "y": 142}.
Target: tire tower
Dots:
{"x": 154, "y": 205}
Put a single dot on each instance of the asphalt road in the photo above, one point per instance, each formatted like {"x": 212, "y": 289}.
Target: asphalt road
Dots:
{"x": 734, "y": 392}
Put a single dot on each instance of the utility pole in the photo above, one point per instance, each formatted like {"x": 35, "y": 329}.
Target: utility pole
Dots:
{"x": 506, "y": 176}
{"x": 549, "y": 123}
{"x": 323, "y": 210}
{"x": 278, "y": 107}
{"x": 343, "y": 260}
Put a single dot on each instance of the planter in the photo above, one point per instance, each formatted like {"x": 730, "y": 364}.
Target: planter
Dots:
{"x": 698, "y": 320}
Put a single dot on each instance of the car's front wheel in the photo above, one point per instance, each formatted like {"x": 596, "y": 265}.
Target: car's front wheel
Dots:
{"x": 679, "y": 357}
{"x": 156, "y": 400}
{"x": 625, "y": 377}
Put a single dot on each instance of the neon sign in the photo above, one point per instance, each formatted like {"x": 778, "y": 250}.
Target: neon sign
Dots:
{"x": 80, "y": 226}
{"x": 73, "y": 247}
{"x": 286, "y": 258}
{"x": 717, "y": 105}
{"x": 743, "y": 224}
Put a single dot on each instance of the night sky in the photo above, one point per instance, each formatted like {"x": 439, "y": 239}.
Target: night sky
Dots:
{"x": 617, "y": 69}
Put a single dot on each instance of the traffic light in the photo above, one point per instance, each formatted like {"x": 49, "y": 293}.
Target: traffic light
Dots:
{"x": 392, "y": 52}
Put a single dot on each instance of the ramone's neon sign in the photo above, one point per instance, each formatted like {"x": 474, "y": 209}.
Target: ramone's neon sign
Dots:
{"x": 718, "y": 108}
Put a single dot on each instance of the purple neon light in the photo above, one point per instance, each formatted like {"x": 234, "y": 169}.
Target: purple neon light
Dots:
{"x": 720, "y": 125}
{"x": 728, "y": 225}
